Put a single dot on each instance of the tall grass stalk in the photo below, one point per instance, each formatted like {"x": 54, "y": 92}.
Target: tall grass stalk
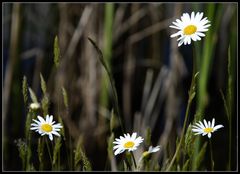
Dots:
{"x": 107, "y": 51}
{"x": 232, "y": 62}
{"x": 40, "y": 151}
{"x": 205, "y": 65}
{"x": 191, "y": 95}
{"x": 115, "y": 97}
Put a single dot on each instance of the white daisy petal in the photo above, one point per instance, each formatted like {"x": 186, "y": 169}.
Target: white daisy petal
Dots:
{"x": 57, "y": 125}
{"x": 153, "y": 149}
{"x": 202, "y": 30}
{"x": 200, "y": 34}
{"x": 200, "y": 16}
{"x": 204, "y": 133}
{"x": 50, "y": 119}
{"x": 189, "y": 40}
{"x": 196, "y": 126}
{"x": 194, "y": 38}
{"x": 213, "y": 122}
{"x": 180, "y": 43}
{"x": 41, "y": 119}
{"x": 205, "y": 123}
{"x": 217, "y": 127}
{"x": 134, "y": 135}
{"x": 33, "y": 128}
{"x": 56, "y": 133}
{"x": 209, "y": 124}
{"x": 118, "y": 151}
{"x": 50, "y": 137}
{"x": 198, "y": 38}
{"x": 209, "y": 135}
{"x": 176, "y": 27}
{"x": 47, "y": 118}
{"x": 34, "y": 124}
{"x": 192, "y": 16}
{"x": 200, "y": 125}
{"x": 176, "y": 34}
{"x": 36, "y": 121}
{"x": 196, "y": 130}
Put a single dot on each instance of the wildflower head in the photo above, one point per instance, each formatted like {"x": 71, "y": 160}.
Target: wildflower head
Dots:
{"x": 206, "y": 128}
{"x": 127, "y": 142}
{"x": 191, "y": 27}
{"x": 46, "y": 127}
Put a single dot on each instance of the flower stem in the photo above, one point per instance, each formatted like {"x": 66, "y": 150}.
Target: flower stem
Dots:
{"x": 49, "y": 150}
{"x": 191, "y": 95}
{"x": 182, "y": 135}
{"x": 134, "y": 161}
{"x": 212, "y": 162}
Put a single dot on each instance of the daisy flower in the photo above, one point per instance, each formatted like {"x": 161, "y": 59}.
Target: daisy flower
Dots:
{"x": 206, "y": 128}
{"x": 151, "y": 150}
{"x": 190, "y": 27}
{"x": 34, "y": 106}
{"x": 46, "y": 127}
{"x": 127, "y": 142}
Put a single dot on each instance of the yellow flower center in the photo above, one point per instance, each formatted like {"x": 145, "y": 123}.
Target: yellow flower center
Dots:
{"x": 190, "y": 29}
{"x": 129, "y": 144}
{"x": 146, "y": 153}
{"x": 208, "y": 130}
{"x": 46, "y": 127}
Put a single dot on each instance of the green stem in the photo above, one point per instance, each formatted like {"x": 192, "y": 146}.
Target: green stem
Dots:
{"x": 212, "y": 162}
{"x": 49, "y": 150}
{"x": 134, "y": 161}
{"x": 59, "y": 156}
{"x": 71, "y": 159}
{"x": 182, "y": 135}
{"x": 190, "y": 98}
{"x": 230, "y": 144}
